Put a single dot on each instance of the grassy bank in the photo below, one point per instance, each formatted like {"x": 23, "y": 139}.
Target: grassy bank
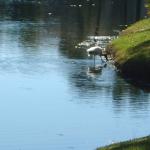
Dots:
{"x": 132, "y": 51}
{"x": 137, "y": 144}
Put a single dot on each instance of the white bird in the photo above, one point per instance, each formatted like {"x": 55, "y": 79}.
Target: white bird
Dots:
{"x": 97, "y": 50}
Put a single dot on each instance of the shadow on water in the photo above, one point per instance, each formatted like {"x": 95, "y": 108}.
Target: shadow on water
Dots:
{"x": 125, "y": 93}
{"x": 144, "y": 85}
{"x": 93, "y": 88}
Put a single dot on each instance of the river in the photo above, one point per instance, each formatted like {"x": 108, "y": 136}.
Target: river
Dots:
{"x": 48, "y": 100}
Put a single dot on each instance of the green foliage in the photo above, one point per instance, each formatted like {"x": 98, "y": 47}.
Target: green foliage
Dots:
{"x": 148, "y": 6}
{"x": 133, "y": 42}
{"x": 132, "y": 51}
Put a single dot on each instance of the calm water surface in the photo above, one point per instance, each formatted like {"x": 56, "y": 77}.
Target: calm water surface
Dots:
{"x": 48, "y": 100}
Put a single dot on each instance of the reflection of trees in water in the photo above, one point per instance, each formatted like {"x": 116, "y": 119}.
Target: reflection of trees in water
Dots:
{"x": 28, "y": 35}
{"x": 107, "y": 86}
{"x": 103, "y": 13}
{"x": 76, "y": 24}
{"x": 72, "y": 32}
{"x": 23, "y": 12}
{"x": 101, "y": 19}
{"x": 126, "y": 95}
{"x": 88, "y": 87}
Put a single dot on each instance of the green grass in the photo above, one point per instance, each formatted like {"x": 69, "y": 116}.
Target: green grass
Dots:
{"x": 132, "y": 49}
{"x": 137, "y": 144}
{"x": 138, "y": 27}
{"x": 148, "y": 6}
{"x": 132, "y": 42}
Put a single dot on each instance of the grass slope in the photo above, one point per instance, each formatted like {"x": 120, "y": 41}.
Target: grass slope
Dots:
{"x": 132, "y": 50}
{"x": 137, "y": 144}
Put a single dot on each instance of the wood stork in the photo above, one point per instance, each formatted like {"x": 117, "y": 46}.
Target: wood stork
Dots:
{"x": 96, "y": 50}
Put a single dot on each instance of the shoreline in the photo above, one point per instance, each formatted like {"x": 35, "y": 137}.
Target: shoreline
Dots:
{"x": 131, "y": 52}
{"x": 135, "y": 144}
{"x": 131, "y": 55}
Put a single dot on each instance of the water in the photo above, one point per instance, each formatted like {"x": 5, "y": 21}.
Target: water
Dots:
{"x": 48, "y": 99}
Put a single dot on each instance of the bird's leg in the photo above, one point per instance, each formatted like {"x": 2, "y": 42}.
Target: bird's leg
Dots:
{"x": 106, "y": 57}
{"x": 101, "y": 58}
{"x": 94, "y": 61}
